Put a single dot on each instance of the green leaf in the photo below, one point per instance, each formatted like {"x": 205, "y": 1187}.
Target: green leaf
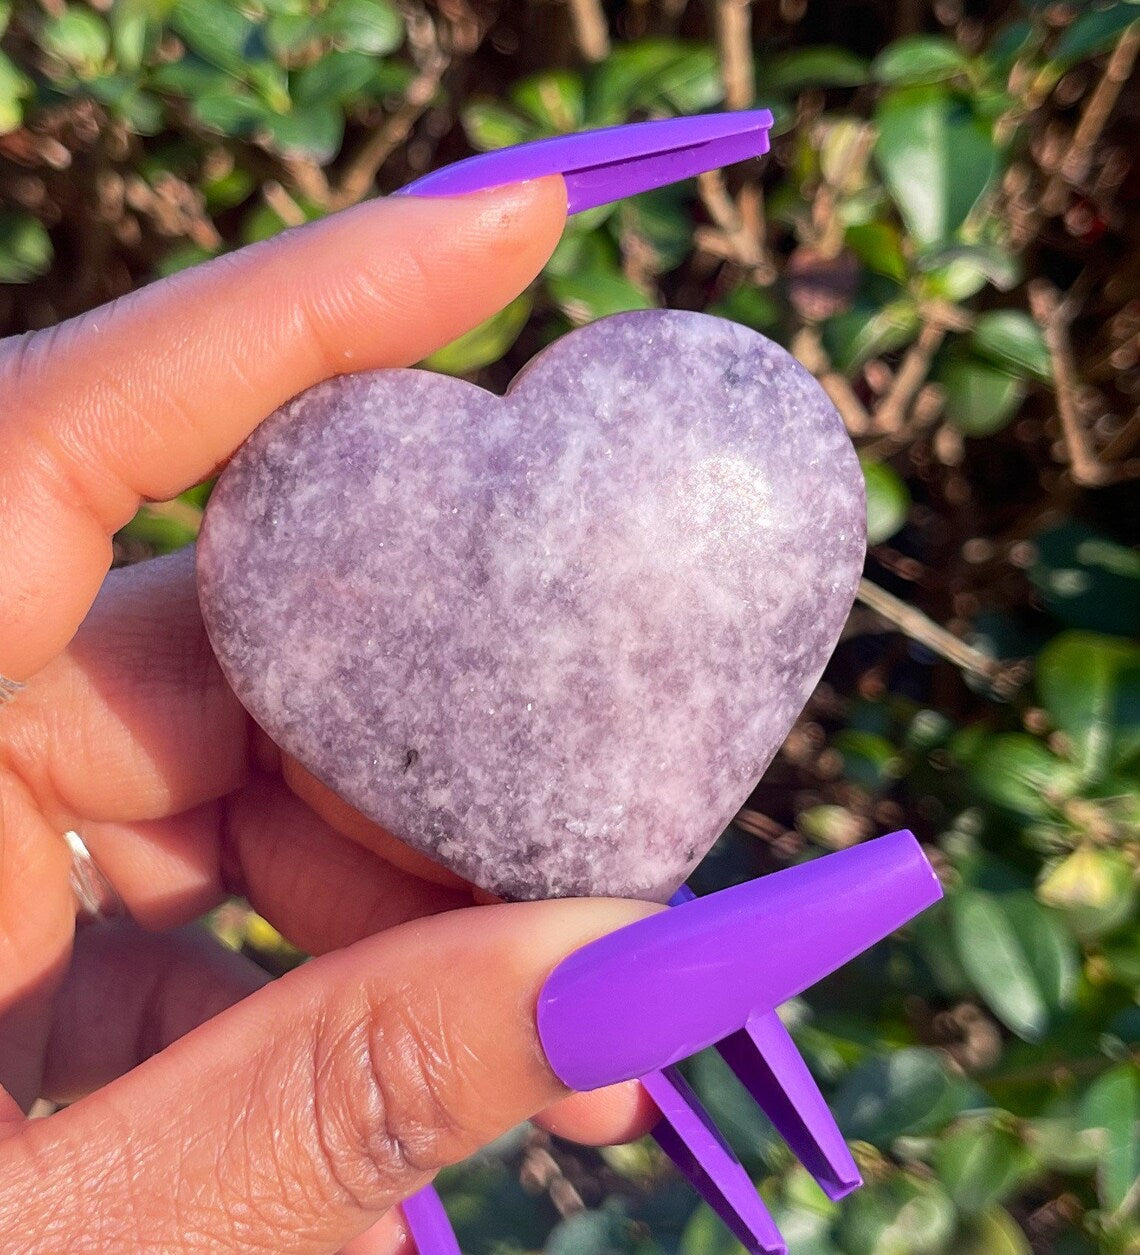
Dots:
{"x": 937, "y": 158}
{"x": 821, "y": 66}
{"x": 1017, "y": 955}
{"x": 1111, "y": 1106}
{"x": 372, "y": 26}
{"x": 753, "y": 306}
{"x": 932, "y": 938}
{"x": 1092, "y": 32}
{"x": 483, "y": 344}
{"x": 1021, "y": 774}
{"x": 907, "y": 1091}
{"x": 25, "y": 247}
{"x": 1086, "y": 579}
{"x": 134, "y": 25}
{"x": 980, "y": 399}
{"x": 1094, "y": 889}
{"x": 79, "y": 37}
{"x": 878, "y": 245}
{"x": 1090, "y": 685}
{"x": 15, "y": 87}
{"x": 336, "y": 78}
{"x": 554, "y": 101}
{"x": 1010, "y": 338}
{"x": 662, "y": 222}
{"x": 1009, "y": 42}
{"x": 660, "y": 74}
{"x": 163, "y": 528}
{"x": 581, "y": 251}
{"x": 958, "y": 271}
{"x": 707, "y": 1234}
{"x": 606, "y": 1231}
{"x": 182, "y": 257}
{"x": 1060, "y": 1144}
{"x": 234, "y": 112}
{"x": 287, "y": 34}
{"x": 919, "y": 59}
{"x": 120, "y": 93}
{"x": 904, "y": 1215}
{"x": 740, "y": 1121}
{"x": 216, "y": 30}
{"x": 191, "y": 78}
{"x": 994, "y": 1232}
{"x": 1123, "y": 961}
{"x": 229, "y": 189}
{"x": 888, "y": 500}
{"x": 596, "y": 294}
{"x": 315, "y": 131}
{"x": 863, "y": 332}
{"x": 981, "y": 1162}
{"x": 270, "y": 82}
{"x": 489, "y": 126}
{"x": 869, "y": 760}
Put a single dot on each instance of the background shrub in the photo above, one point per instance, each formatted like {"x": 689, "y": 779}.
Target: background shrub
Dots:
{"x": 946, "y": 234}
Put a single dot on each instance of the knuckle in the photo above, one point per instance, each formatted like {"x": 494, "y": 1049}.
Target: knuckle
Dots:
{"x": 389, "y": 1094}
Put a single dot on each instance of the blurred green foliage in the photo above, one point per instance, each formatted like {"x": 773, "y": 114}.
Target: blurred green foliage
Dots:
{"x": 985, "y": 1063}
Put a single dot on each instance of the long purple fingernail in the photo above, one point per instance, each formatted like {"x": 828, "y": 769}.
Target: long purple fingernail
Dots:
{"x": 606, "y": 165}
{"x": 662, "y": 989}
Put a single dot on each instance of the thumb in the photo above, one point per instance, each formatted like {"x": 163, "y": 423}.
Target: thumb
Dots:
{"x": 296, "y": 1118}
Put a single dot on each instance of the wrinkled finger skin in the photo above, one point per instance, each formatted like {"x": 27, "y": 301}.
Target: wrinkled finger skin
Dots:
{"x": 209, "y": 1110}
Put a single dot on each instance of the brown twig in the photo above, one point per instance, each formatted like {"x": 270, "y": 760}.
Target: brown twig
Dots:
{"x": 432, "y": 62}
{"x": 540, "y": 1171}
{"x": 807, "y": 348}
{"x": 891, "y": 412}
{"x": 670, "y": 13}
{"x": 1124, "y": 441}
{"x": 306, "y": 177}
{"x": 282, "y": 204}
{"x": 738, "y": 232}
{"x": 913, "y": 623}
{"x": 1053, "y": 316}
{"x": 1098, "y": 109}
{"x": 591, "y": 31}
{"x": 734, "y": 44}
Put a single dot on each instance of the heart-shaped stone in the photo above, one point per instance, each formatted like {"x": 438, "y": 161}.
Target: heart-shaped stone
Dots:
{"x": 550, "y": 639}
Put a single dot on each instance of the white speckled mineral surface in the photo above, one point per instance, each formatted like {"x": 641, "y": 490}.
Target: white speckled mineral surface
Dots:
{"x": 552, "y": 639}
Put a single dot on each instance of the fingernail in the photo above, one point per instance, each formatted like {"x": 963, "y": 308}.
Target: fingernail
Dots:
{"x": 605, "y": 165}
{"x": 428, "y": 1224}
{"x": 671, "y": 984}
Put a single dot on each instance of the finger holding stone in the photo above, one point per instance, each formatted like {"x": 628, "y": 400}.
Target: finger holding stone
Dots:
{"x": 139, "y": 684}
{"x": 144, "y": 397}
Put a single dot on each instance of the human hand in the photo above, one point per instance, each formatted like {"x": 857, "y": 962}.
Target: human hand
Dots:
{"x": 208, "y": 1112}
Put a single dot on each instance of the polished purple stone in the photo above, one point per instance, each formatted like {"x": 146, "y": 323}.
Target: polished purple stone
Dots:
{"x": 550, "y": 639}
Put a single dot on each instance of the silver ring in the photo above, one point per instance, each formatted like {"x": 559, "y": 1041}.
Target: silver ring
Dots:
{"x": 8, "y": 689}
{"x": 95, "y": 896}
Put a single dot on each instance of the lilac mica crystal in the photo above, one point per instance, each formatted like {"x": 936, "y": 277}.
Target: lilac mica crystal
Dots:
{"x": 550, "y": 639}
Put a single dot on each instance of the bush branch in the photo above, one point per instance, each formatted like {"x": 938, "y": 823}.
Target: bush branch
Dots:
{"x": 734, "y": 43}
{"x": 913, "y": 623}
{"x": 591, "y": 31}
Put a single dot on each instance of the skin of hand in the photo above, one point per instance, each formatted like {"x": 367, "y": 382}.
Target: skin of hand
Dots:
{"x": 208, "y": 1109}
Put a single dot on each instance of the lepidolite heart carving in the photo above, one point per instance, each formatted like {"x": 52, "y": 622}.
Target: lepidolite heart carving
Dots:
{"x": 550, "y": 639}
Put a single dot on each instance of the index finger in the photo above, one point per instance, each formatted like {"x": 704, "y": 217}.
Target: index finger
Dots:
{"x": 144, "y": 397}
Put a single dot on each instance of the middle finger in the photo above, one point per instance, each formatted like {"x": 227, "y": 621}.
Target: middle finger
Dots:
{"x": 135, "y": 720}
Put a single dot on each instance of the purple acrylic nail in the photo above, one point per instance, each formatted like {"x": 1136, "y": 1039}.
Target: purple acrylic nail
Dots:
{"x": 662, "y": 989}
{"x": 769, "y": 1064}
{"x": 428, "y": 1224}
{"x": 606, "y": 165}
{"x": 688, "y": 1136}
